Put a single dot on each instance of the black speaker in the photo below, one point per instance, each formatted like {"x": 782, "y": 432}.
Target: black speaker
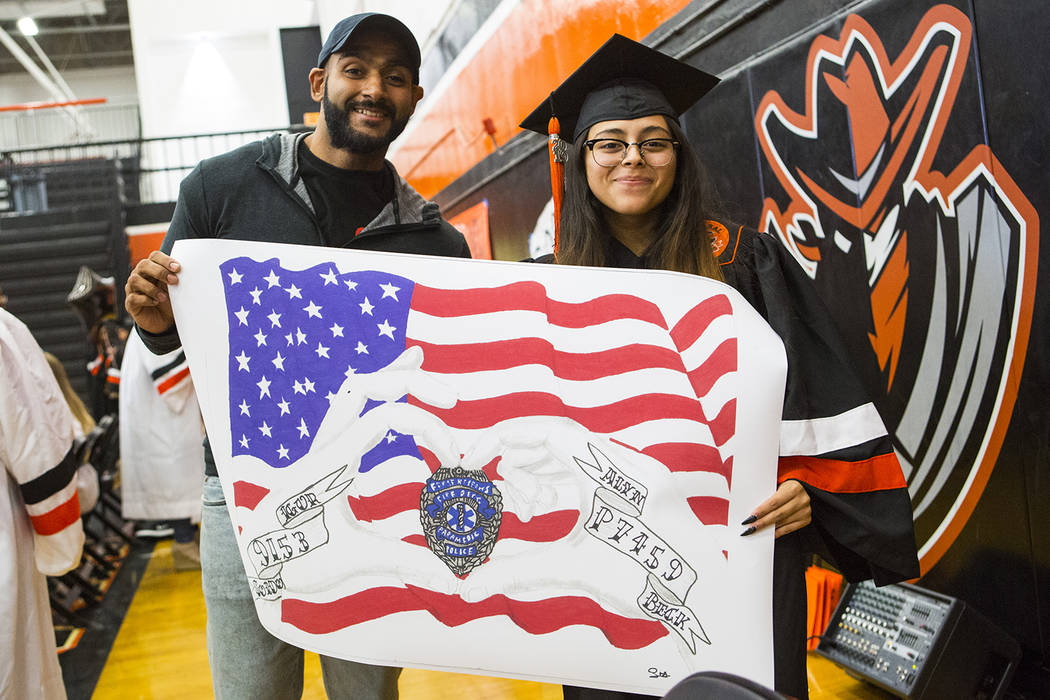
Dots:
{"x": 916, "y": 643}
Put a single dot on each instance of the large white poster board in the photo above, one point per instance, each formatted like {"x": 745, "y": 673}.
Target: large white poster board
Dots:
{"x": 512, "y": 469}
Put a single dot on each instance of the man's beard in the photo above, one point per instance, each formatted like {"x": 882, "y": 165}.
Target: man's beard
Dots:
{"x": 345, "y": 137}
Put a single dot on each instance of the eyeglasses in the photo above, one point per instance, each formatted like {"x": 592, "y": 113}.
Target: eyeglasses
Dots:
{"x": 609, "y": 153}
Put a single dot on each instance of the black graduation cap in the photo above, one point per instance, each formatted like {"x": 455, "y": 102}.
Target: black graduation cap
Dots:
{"x": 623, "y": 79}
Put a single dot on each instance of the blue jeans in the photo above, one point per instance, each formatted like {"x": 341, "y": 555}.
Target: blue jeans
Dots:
{"x": 247, "y": 661}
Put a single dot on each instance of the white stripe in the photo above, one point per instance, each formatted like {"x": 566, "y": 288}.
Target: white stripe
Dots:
{"x": 590, "y": 392}
{"x": 721, "y": 329}
{"x": 820, "y": 435}
{"x": 53, "y": 501}
{"x": 657, "y": 432}
{"x": 513, "y": 325}
{"x": 723, "y": 391}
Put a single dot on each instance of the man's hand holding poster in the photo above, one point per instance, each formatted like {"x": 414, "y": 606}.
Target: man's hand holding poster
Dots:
{"x": 523, "y": 470}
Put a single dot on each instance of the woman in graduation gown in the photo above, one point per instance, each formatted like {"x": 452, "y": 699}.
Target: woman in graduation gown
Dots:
{"x": 635, "y": 197}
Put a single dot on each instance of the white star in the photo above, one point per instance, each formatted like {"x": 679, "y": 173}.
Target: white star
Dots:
{"x": 283, "y": 405}
{"x": 366, "y": 307}
{"x": 307, "y": 384}
{"x": 390, "y": 437}
{"x": 337, "y": 330}
{"x": 293, "y": 292}
{"x": 331, "y": 396}
{"x": 256, "y": 293}
{"x": 349, "y": 371}
{"x": 244, "y": 408}
{"x": 361, "y": 348}
{"x": 260, "y": 338}
{"x": 390, "y": 290}
{"x": 278, "y": 361}
{"x": 386, "y": 329}
{"x": 350, "y": 285}
{"x": 313, "y": 310}
{"x": 272, "y": 279}
{"x": 242, "y": 316}
{"x": 264, "y": 387}
{"x": 265, "y": 429}
{"x": 275, "y": 319}
{"x": 244, "y": 441}
{"x": 289, "y": 338}
{"x": 303, "y": 430}
{"x": 300, "y": 337}
{"x": 329, "y": 278}
{"x": 322, "y": 351}
{"x": 297, "y": 387}
{"x": 282, "y": 452}
{"x": 242, "y": 362}
{"x": 235, "y": 277}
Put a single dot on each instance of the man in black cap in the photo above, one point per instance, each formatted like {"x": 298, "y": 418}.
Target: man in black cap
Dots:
{"x": 330, "y": 188}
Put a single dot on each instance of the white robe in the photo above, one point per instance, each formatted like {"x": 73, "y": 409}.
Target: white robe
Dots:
{"x": 161, "y": 450}
{"x": 45, "y": 536}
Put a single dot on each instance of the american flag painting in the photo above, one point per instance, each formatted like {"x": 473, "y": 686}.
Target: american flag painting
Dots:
{"x": 528, "y": 454}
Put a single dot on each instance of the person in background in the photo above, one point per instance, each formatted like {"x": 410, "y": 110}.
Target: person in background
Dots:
{"x": 92, "y": 298}
{"x": 635, "y": 197}
{"x": 87, "y": 477}
{"x": 333, "y": 187}
{"x": 161, "y": 454}
{"x": 40, "y": 529}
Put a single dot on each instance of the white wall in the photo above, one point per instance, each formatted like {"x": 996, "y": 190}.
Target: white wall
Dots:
{"x": 116, "y": 119}
{"x": 116, "y": 84}
{"x": 207, "y": 66}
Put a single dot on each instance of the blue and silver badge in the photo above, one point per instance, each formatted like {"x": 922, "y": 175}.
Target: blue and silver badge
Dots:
{"x": 460, "y": 511}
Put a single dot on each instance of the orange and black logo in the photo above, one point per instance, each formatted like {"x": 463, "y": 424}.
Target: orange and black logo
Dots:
{"x": 928, "y": 245}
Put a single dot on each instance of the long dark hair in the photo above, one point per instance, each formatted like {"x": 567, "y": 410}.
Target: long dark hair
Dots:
{"x": 681, "y": 243}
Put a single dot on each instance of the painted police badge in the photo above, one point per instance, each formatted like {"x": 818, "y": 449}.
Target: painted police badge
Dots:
{"x": 461, "y": 512}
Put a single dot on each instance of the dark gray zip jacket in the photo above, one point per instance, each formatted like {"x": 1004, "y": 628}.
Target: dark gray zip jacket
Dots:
{"x": 255, "y": 193}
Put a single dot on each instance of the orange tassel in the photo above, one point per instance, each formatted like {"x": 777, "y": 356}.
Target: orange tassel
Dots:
{"x": 557, "y": 152}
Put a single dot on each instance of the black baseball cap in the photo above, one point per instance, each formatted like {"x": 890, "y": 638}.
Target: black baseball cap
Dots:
{"x": 342, "y": 32}
{"x": 623, "y": 79}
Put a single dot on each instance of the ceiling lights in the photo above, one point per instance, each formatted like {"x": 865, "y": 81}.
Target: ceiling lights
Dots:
{"x": 27, "y": 26}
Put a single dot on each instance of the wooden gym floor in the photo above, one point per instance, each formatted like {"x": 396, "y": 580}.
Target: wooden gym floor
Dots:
{"x": 155, "y": 661}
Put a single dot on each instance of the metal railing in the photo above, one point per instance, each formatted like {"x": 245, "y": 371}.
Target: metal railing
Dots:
{"x": 149, "y": 170}
{"x": 36, "y": 127}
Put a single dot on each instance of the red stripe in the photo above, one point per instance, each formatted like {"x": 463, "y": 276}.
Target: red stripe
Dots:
{"x": 416, "y": 539}
{"x": 880, "y": 473}
{"x": 58, "y": 518}
{"x": 387, "y": 503}
{"x": 535, "y": 617}
{"x": 549, "y": 527}
{"x": 724, "y": 424}
{"x": 714, "y": 367}
{"x": 695, "y": 322}
{"x": 113, "y": 379}
{"x": 248, "y": 495}
{"x": 505, "y": 354}
{"x": 691, "y": 457}
{"x": 532, "y": 296}
{"x": 172, "y": 380}
{"x": 710, "y": 510}
{"x": 607, "y": 418}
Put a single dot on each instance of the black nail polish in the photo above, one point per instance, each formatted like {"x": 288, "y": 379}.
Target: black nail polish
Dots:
{"x": 749, "y": 519}
{"x": 748, "y": 531}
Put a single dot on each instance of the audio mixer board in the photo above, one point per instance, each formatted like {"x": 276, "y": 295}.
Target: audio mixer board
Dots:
{"x": 916, "y": 643}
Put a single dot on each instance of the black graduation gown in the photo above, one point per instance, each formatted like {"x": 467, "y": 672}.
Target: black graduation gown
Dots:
{"x": 861, "y": 511}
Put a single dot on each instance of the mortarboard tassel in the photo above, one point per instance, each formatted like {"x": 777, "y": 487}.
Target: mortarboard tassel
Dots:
{"x": 557, "y": 150}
